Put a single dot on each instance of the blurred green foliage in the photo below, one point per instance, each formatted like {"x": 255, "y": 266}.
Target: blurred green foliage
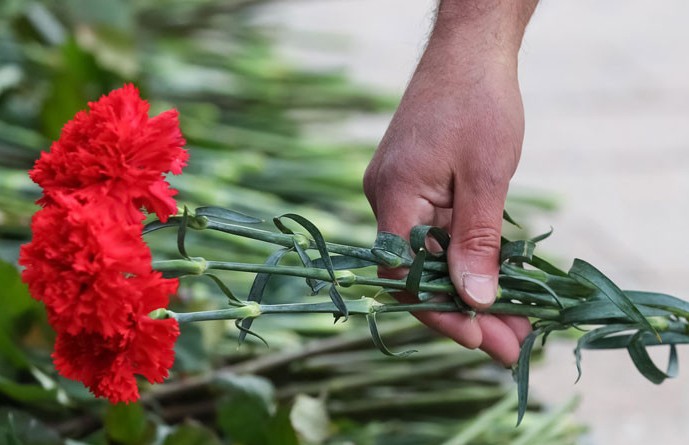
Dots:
{"x": 244, "y": 111}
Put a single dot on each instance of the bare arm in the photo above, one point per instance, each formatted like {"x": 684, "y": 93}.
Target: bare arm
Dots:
{"x": 450, "y": 152}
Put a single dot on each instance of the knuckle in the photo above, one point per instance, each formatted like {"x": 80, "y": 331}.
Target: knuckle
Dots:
{"x": 479, "y": 241}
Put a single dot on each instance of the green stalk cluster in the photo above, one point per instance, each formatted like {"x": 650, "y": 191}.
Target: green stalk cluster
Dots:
{"x": 553, "y": 299}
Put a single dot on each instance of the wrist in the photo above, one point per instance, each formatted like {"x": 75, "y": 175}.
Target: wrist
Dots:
{"x": 482, "y": 29}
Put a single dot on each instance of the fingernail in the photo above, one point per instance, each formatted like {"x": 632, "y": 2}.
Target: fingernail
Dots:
{"x": 481, "y": 288}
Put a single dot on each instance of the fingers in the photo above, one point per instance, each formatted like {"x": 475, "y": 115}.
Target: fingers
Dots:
{"x": 521, "y": 326}
{"x": 460, "y": 328}
{"x": 499, "y": 340}
{"x": 474, "y": 249}
{"x": 397, "y": 214}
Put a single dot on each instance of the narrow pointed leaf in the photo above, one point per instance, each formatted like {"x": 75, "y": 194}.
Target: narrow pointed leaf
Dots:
{"x": 642, "y": 361}
{"x": 415, "y": 271}
{"x": 418, "y": 235}
{"x": 662, "y": 301}
{"x": 392, "y": 249}
{"x": 648, "y": 339}
{"x": 157, "y": 225}
{"x": 226, "y": 215}
{"x": 233, "y": 300}
{"x": 542, "y": 236}
{"x": 506, "y": 216}
{"x": 546, "y": 267}
{"x": 522, "y": 374}
{"x": 341, "y": 262}
{"x": 538, "y": 283}
{"x": 244, "y": 331}
{"x": 182, "y": 232}
{"x": 315, "y": 285}
{"x": 673, "y": 363}
{"x": 378, "y": 341}
{"x": 521, "y": 250}
{"x": 258, "y": 287}
{"x": 339, "y": 303}
{"x": 581, "y": 270}
{"x": 601, "y": 311}
{"x": 592, "y": 336}
{"x": 317, "y": 238}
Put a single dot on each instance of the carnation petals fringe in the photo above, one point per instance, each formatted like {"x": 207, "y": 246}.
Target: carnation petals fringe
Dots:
{"x": 87, "y": 261}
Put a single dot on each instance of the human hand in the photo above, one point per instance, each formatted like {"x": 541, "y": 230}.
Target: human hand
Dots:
{"x": 446, "y": 160}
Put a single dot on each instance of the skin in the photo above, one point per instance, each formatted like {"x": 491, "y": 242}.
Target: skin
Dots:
{"x": 449, "y": 154}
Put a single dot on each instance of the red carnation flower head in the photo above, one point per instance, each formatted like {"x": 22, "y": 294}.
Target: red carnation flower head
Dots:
{"x": 91, "y": 269}
{"x": 87, "y": 261}
{"x": 116, "y": 150}
{"x": 108, "y": 365}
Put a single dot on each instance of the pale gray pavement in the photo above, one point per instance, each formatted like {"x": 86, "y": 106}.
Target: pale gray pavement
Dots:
{"x": 606, "y": 91}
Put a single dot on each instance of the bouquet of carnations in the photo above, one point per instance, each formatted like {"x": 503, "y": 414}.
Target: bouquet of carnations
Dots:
{"x": 107, "y": 299}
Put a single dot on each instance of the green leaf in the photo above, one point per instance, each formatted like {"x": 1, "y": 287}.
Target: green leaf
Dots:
{"x": 583, "y": 271}
{"x": 226, "y": 215}
{"x": 378, "y": 341}
{"x": 418, "y": 235}
{"x": 309, "y": 418}
{"x": 342, "y": 262}
{"x": 506, "y": 216}
{"x": 317, "y": 238}
{"x": 602, "y": 311}
{"x": 415, "y": 271}
{"x": 245, "y": 408}
{"x": 546, "y": 267}
{"x": 673, "y": 362}
{"x": 181, "y": 234}
{"x": 192, "y": 433}
{"x": 125, "y": 423}
{"x": 535, "y": 282}
{"x": 232, "y": 300}
{"x": 520, "y": 251}
{"x": 522, "y": 374}
{"x": 647, "y": 338}
{"x": 258, "y": 288}
{"x": 542, "y": 236}
{"x": 591, "y": 336}
{"x": 642, "y": 361}
{"x": 157, "y": 225}
{"x": 339, "y": 303}
{"x": 392, "y": 249}
{"x": 315, "y": 285}
{"x": 661, "y": 301}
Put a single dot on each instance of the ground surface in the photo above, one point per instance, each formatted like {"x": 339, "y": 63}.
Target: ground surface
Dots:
{"x": 606, "y": 91}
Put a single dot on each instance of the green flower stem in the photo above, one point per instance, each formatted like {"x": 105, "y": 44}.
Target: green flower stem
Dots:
{"x": 198, "y": 266}
{"x": 364, "y": 306}
{"x": 287, "y": 240}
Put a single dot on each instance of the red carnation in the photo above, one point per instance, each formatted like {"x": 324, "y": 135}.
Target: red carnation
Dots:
{"x": 116, "y": 150}
{"x": 107, "y": 366}
{"x": 89, "y": 268}
{"x": 87, "y": 261}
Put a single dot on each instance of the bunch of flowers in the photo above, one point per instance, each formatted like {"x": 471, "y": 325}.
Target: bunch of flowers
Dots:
{"x": 87, "y": 261}
{"x": 105, "y": 297}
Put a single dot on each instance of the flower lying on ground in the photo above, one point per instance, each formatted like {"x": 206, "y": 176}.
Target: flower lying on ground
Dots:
{"x": 87, "y": 261}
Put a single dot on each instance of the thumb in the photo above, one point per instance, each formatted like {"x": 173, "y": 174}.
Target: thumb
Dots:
{"x": 474, "y": 250}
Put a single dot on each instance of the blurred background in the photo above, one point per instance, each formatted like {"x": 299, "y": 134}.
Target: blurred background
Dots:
{"x": 282, "y": 103}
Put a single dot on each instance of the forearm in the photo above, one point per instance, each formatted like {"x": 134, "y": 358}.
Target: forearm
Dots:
{"x": 480, "y": 28}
